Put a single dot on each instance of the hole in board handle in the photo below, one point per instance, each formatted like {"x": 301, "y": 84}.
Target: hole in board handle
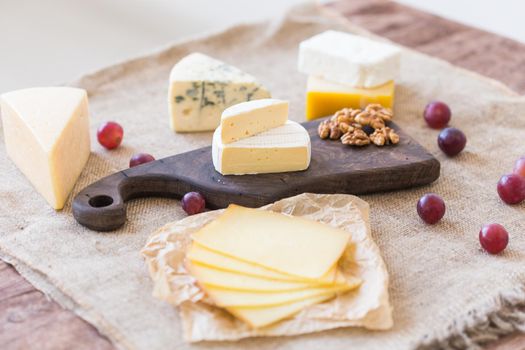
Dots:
{"x": 100, "y": 201}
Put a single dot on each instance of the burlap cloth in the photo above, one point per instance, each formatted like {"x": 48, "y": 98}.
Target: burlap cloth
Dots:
{"x": 444, "y": 288}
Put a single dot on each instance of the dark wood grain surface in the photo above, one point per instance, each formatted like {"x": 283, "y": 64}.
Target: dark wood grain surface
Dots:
{"x": 334, "y": 168}
{"x": 28, "y": 320}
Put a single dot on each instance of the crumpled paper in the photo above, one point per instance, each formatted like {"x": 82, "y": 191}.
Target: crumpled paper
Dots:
{"x": 368, "y": 306}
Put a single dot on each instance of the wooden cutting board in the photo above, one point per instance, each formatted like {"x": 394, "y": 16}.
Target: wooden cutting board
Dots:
{"x": 334, "y": 168}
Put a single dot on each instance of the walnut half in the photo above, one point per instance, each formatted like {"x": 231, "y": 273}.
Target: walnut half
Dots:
{"x": 356, "y": 137}
{"x": 384, "y": 136}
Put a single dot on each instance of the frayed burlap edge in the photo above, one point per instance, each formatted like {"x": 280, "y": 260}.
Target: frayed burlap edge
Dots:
{"x": 496, "y": 318}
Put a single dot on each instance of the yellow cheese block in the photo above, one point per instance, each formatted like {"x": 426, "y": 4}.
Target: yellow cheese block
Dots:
{"x": 286, "y": 244}
{"x": 265, "y": 316}
{"x": 46, "y": 134}
{"x": 232, "y": 298}
{"x": 324, "y": 98}
{"x": 206, "y": 275}
{"x": 204, "y": 256}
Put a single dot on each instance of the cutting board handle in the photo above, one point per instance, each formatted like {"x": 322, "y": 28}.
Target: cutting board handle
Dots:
{"x": 100, "y": 206}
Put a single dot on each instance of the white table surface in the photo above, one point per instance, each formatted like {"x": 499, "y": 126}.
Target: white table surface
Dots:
{"x": 47, "y": 42}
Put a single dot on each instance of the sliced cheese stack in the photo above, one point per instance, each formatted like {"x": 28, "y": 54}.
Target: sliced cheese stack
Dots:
{"x": 263, "y": 266}
{"x": 256, "y": 137}
{"x": 201, "y": 88}
{"x": 347, "y": 71}
{"x": 46, "y": 134}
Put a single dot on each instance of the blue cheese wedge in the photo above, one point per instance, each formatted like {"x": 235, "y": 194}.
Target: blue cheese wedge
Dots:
{"x": 282, "y": 149}
{"x": 349, "y": 59}
{"x": 201, "y": 88}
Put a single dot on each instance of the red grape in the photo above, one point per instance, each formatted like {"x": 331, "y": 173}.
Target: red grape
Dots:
{"x": 493, "y": 238}
{"x": 193, "y": 203}
{"x": 140, "y": 158}
{"x": 110, "y": 135}
{"x": 431, "y": 208}
{"x": 511, "y": 188}
{"x": 519, "y": 168}
{"x": 451, "y": 141}
{"x": 437, "y": 114}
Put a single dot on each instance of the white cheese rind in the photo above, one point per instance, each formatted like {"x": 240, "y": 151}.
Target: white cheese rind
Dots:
{"x": 46, "y": 133}
{"x": 282, "y": 149}
{"x": 253, "y": 117}
{"x": 201, "y": 88}
{"x": 349, "y": 59}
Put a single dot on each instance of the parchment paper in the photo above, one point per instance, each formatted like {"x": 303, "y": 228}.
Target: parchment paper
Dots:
{"x": 368, "y": 306}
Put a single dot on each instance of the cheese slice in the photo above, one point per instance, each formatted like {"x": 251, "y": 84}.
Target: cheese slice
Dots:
{"x": 324, "y": 98}
{"x": 349, "y": 59}
{"x": 46, "y": 133}
{"x": 287, "y": 244}
{"x": 232, "y": 298}
{"x": 282, "y": 149}
{"x": 206, "y": 275}
{"x": 204, "y": 256}
{"x": 250, "y": 118}
{"x": 201, "y": 88}
{"x": 264, "y": 316}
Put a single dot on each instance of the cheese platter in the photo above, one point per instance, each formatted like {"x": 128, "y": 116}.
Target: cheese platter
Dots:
{"x": 334, "y": 168}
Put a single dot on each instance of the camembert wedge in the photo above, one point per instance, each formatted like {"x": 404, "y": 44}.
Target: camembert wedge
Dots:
{"x": 282, "y": 149}
{"x": 250, "y": 118}
{"x": 46, "y": 133}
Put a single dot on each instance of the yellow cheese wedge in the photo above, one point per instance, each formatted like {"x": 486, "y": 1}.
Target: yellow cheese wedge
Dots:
{"x": 232, "y": 298}
{"x": 47, "y": 136}
{"x": 206, "y": 275}
{"x": 324, "y": 98}
{"x": 204, "y": 256}
{"x": 253, "y": 117}
{"x": 287, "y": 244}
{"x": 265, "y": 316}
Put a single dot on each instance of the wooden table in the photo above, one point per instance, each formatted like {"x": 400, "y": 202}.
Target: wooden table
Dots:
{"x": 29, "y": 320}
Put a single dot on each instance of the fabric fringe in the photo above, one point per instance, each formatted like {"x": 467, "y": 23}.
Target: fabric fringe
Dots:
{"x": 499, "y": 317}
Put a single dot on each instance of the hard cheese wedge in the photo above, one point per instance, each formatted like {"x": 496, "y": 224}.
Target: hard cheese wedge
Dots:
{"x": 250, "y": 118}
{"x": 47, "y": 136}
{"x": 201, "y": 88}
{"x": 230, "y": 280}
{"x": 204, "y": 256}
{"x": 287, "y": 244}
{"x": 349, "y": 59}
{"x": 265, "y": 316}
{"x": 285, "y": 148}
{"x": 324, "y": 98}
{"x": 231, "y": 298}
